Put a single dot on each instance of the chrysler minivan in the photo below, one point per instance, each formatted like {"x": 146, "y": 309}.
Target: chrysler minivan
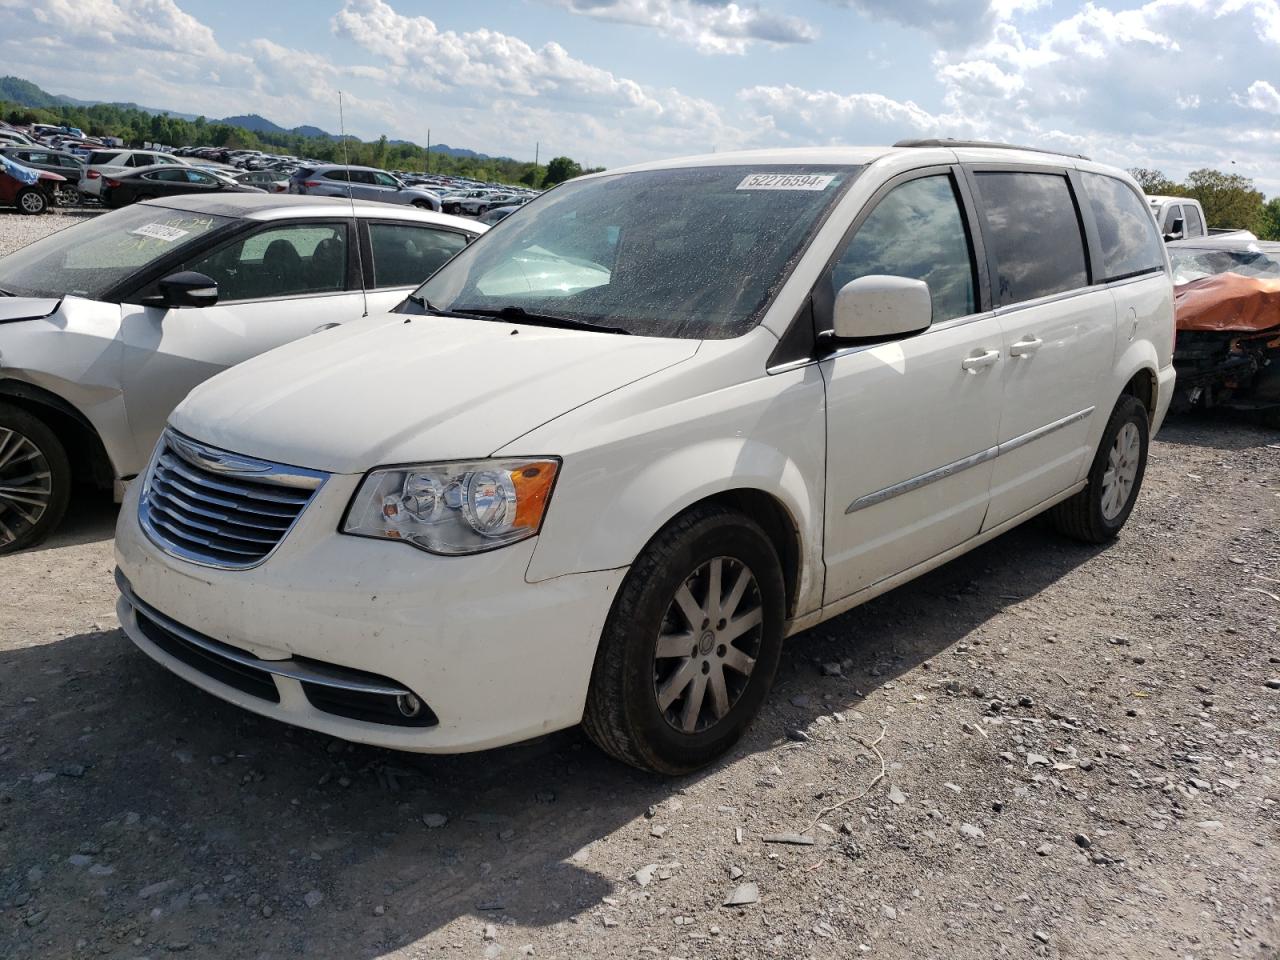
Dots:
{"x": 600, "y": 464}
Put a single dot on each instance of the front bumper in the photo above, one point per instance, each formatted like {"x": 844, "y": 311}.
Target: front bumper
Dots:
{"x": 495, "y": 659}
{"x": 1167, "y": 377}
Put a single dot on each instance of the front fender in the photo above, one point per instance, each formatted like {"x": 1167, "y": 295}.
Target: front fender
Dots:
{"x": 632, "y": 475}
{"x": 70, "y": 360}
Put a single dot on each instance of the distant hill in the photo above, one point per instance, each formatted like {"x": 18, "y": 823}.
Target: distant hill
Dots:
{"x": 17, "y": 90}
{"x": 26, "y": 93}
{"x": 251, "y": 121}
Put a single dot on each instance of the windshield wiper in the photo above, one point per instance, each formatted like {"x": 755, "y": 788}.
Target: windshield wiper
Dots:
{"x": 521, "y": 315}
{"x": 427, "y": 307}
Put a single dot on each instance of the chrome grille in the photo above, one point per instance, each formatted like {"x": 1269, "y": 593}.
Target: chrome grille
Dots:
{"x": 220, "y": 509}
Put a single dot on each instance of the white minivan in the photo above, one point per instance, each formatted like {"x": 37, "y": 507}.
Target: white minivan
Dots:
{"x": 609, "y": 456}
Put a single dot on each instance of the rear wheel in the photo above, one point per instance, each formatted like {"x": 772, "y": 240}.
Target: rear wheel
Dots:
{"x": 35, "y": 479}
{"x": 32, "y": 201}
{"x": 1096, "y": 513}
{"x": 691, "y": 646}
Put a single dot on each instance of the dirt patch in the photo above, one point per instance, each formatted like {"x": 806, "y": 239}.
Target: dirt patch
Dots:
{"x": 1081, "y": 754}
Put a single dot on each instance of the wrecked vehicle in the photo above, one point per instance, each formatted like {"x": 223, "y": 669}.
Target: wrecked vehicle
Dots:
{"x": 31, "y": 191}
{"x": 1227, "y": 300}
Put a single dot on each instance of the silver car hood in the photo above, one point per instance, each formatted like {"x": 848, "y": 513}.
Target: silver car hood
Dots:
{"x": 26, "y": 308}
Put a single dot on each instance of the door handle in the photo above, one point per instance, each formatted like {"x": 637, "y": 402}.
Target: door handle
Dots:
{"x": 980, "y": 361}
{"x": 1026, "y": 347}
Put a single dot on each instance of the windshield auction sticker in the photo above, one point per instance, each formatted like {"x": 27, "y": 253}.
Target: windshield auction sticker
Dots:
{"x": 158, "y": 231}
{"x": 786, "y": 181}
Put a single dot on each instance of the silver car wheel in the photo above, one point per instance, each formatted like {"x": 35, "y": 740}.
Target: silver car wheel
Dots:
{"x": 1122, "y": 471}
{"x": 32, "y": 202}
{"x": 708, "y": 645}
{"x": 26, "y": 485}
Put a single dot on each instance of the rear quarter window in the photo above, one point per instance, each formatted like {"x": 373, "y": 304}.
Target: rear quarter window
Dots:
{"x": 1033, "y": 230}
{"x": 1127, "y": 233}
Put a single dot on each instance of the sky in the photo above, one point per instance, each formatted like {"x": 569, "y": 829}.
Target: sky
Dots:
{"x": 1170, "y": 84}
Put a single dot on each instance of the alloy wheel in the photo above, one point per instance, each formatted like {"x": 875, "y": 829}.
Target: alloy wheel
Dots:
{"x": 32, "y": 202}
{"x": 26, "y": 485}
{"x": 708, "y": 645}
{"x": 1122, "y": 471}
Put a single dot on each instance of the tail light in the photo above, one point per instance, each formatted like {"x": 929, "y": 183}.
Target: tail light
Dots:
{"x": 94, "y": 175}
{"x": 311, "y": 183}
{"x": 111, "y": 183}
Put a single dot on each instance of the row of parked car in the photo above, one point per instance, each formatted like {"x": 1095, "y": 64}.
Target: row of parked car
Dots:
{"x": 604, "y": 458}
{"x": 117, "y": 176}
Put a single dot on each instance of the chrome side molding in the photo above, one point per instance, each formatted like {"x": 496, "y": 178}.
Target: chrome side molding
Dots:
{"x": 957, "y": 466}
{"x": 923, "y": 480}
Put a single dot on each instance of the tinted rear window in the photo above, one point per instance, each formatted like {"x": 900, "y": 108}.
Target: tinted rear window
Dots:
{"x": 100, "y": 157}
{"x": 1034, "y": 231}
{"x": 1127, "y": 232}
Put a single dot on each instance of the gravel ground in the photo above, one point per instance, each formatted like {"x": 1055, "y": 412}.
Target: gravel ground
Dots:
{"x": 16, "y": 230}
{"x": 1080, "y": 751}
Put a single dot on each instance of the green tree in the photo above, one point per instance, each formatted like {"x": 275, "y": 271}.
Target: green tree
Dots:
{"x": 561, "y": 169}
{"x": 1269, "y": 221}
{"x": 1229, "y": 200}
{"x": 379, "y": 155}
{"x": 1153, "y": 182}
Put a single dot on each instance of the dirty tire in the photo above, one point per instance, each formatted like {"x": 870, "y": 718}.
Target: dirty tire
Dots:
{"x": 622, "y": 712}
{"x": 31, "y": 201}
{"x": 1082, "y": 517}
{"x": 16, "y": 532}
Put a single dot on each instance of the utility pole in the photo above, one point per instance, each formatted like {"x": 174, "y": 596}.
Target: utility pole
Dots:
{"x": 537, "y": 147}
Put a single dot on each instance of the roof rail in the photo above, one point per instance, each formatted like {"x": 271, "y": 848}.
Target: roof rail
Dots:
{"x": 989, "y": 144}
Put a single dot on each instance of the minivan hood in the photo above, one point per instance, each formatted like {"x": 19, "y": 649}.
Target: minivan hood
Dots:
{"x": 399, "y": 389}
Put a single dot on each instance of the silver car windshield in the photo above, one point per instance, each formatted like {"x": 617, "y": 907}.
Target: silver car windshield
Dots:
{"x": 697, "y": 252}
{"x": 93, "y": 257}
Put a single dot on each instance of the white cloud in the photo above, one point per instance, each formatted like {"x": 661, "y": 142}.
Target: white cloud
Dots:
{"x": 1154, "y": 85}
{"x": 579, "y": 104}
{"x": 955, "y": 23}
{"x": 805, "y": 117}
{"x": 1262, "y": 96}
{"x": 711, "y": 26}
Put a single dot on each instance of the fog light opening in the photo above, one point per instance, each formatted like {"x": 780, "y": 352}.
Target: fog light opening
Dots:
{"x": 408, "y": 705}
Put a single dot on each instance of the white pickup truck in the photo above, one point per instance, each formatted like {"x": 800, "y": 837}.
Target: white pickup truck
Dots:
{"x": 1181, "y": 218}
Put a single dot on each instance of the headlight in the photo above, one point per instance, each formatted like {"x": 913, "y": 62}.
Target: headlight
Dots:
{"x": 454, "y": 508}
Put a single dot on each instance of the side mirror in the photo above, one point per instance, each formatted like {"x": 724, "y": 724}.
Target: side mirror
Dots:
{"x": 881, "y": 307}
{"x": 188, "y": 289}
{"x": 1176, "y": 229}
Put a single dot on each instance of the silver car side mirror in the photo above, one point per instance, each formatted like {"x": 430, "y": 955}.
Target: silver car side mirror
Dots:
{"x": 188, "y": 289}
{"x": 879, "y": 307}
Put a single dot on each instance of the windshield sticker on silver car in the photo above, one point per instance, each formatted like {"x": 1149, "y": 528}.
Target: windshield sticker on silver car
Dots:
{"x": 158, "y": 231}
{"x": 786, "y": 181}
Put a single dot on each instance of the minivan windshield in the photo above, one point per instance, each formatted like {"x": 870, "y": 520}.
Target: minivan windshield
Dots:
{"x": 92, "y": 257}
{"x": 696, "y": 252}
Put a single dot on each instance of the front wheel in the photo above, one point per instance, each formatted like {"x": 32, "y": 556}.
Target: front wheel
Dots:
{"x": 35, "y": 480}
{"x": 1096, "y": 513}
{"x": 691, "y": 646}
{"x": 32, "y": 201}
